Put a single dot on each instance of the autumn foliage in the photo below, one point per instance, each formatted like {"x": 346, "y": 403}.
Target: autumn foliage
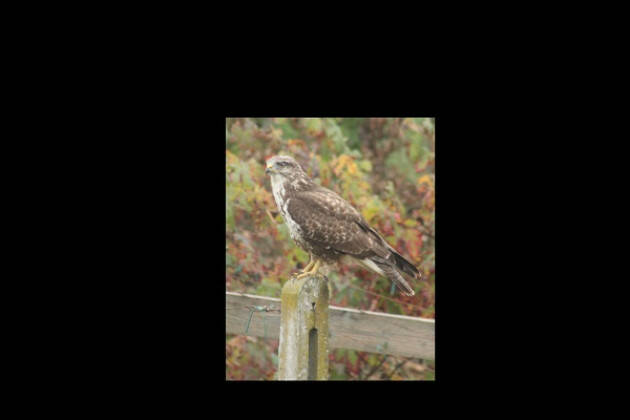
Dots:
{"x": 382, "y": 166}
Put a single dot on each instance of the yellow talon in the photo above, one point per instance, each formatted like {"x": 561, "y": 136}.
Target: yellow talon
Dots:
{"x": 305, "y": 269}
{"x": 311, "y": 271}
{"x": 309, "y": 265}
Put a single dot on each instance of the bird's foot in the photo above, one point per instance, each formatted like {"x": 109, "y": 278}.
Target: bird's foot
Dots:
{"x": 305, "y": 270}
{"x": 298, "y": 276}
{"x": 314, "y": 267}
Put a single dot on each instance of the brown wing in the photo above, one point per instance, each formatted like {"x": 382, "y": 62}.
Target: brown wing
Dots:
{"x": 327, "y": 220}
{"x": 330, "y": 222}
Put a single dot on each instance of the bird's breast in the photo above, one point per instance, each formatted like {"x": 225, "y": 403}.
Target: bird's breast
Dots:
{"x": 278, "y": 190}
{"x": 295, "y": 230}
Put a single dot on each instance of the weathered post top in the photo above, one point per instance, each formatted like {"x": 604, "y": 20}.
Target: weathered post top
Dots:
{"x": 303, "y": 350}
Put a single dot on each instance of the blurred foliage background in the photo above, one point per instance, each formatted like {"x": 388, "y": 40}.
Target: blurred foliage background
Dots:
{"x": 382, "y": 166}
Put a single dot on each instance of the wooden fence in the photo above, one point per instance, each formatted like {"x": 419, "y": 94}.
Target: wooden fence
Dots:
{"x": 347, "y": 328}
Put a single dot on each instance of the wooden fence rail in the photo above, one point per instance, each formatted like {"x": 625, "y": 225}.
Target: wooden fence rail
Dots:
{"x": 375, "y": 332}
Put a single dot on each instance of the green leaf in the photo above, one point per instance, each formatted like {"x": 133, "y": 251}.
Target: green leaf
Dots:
{"x": 410, "y": 223}
{"x": 229, "y": 218}
{"x": 313, "y": 125}
{"x": 350, "y": 127}
{"x": 415, "y": 147}
{"x": 365, "y": 165}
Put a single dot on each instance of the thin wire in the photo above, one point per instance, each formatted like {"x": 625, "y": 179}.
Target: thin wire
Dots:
{"x": 268, "y": 308}
{"x": 356, "y": 288}
{"x": 385, "y": 297}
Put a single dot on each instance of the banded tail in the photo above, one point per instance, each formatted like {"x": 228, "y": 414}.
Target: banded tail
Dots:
{"x": 390, "y": 268}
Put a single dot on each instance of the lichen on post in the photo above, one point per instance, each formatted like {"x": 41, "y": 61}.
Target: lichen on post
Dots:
{"x": 303, "y": 350}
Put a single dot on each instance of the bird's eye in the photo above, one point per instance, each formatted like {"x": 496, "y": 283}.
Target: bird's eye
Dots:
{"x": 283, "y": 163}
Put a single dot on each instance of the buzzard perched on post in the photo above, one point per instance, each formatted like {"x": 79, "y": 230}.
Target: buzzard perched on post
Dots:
{"x": 329, "y": 228}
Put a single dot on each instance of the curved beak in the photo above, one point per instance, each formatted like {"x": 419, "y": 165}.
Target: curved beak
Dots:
{"x": 268, "y": 170}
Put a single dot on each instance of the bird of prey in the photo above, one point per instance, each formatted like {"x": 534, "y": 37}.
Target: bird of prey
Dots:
{"x": 329, "y": 228}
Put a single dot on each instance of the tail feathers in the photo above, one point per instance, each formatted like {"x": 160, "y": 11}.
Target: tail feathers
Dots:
{"x": 392, "y": 274}
{"x": 405, "y": 266}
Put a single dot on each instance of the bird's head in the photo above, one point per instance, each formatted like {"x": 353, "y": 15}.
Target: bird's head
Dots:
{"x": 284, "y": 167}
